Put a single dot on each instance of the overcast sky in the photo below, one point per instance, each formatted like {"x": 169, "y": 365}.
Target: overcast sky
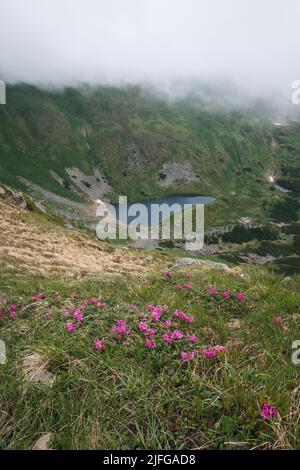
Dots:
{"x": 255, "y": 43}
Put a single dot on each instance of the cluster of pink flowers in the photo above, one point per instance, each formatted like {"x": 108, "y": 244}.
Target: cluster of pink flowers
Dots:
{"x": 121, "y": 329}
{"x": 78, "y": 315}
{"x": 241, "y": 297}
{"x": 40, "y": 296}
{"x": 211, "y": 352}
{"x": 169, "y": 336}
{"x": 149, "y": 343}
{"x": 156, "y": 313}
{"x": 78, "y": 312}
{"x": 183, "y": 317}
{"x": 99, "y": 345}
{"x": 213, "y": 291}
{"x": 132, "y": 307}
{"x": 71, "y": 328}
{"x": 268, "y": 411}
{"x": 187, "y": 356}
{"x": 187, "y": 286}
{"x": 192, "y": 339}
{"x": 13, "y": 311}
{"x": 98, "y": 304}
{"x": 177, "y": 334}
{"x": 144, "y": 328}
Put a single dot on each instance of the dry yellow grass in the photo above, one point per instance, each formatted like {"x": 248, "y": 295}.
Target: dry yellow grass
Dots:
{"x": 40, "y": 247}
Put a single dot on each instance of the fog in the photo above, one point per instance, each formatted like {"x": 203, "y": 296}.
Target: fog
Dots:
{"x": 254, "y": 44}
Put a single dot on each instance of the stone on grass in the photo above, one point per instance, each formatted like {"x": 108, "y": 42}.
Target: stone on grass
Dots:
{"x": 43, "y": 443}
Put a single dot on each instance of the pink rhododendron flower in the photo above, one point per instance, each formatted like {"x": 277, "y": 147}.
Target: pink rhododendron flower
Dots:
{"x": 188, "y": 286}
{"x": 212, "y": 351}
{"x": 150, "y": 332}
{"x": 213, "y": 291}
{"x": 226, "y": 294}
{"x": 179, "y": 314}
{"x": 179, "y": 287}
{"x": 143, "y": 327}
{"x": 41, "y": 296}
{"x": 192, "y": 338}
{"x": 142, "y": 314}
{"x": 99, "y": 345}
{"x": 177, "y": 334}
{"x": 219, "y": 348}
{"x": 183, "y": 317}
{"x": 241, "y": 296}
{"x": 74, "y": 296}
{"x": 156, "y": 313}
{"x": 121, "y": 328}
{"x": 268, "y": 411}
{"x": 132, "y": 307}
{"x": 101, "y": 304}
{"x": 70, "y": 327}
{"x": 277, "y": 320}
{"x": 168, "y": 323}
{"x": 187, "y": 356}
{"x": 146, "y": 282}
{"x": 168, "y": 274}
{"x": 149, "y": 343}
{"x": 33, "y": 298}
{"x": 13, "y": 311}
{"x": 209, "y": 352}
{"x": 187, "y": 276}
{"x": 168, "y": 337}
{"x": 150, "y": 307}
{"x": 78, "y": 315}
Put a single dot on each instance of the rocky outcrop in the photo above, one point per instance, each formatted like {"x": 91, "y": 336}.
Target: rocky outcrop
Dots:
{"x": 94, "y": 186}
{"x": 15, "y": 197}
{"x": 178, "y": 173}
{"x": 189, "y": 261}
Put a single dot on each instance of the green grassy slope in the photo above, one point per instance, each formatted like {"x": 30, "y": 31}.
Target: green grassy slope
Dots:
{"x": 133, "y": 397}
{"x": 130, "y": 133}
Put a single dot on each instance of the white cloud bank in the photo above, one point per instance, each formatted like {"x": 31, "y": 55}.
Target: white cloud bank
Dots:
{"x": 255, "y": 43}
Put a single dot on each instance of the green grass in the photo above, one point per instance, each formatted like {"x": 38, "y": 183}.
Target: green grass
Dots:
{"x": 130, "y": 397}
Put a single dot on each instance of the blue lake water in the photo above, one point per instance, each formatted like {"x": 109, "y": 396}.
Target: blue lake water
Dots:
{"x": 181, "y": 201}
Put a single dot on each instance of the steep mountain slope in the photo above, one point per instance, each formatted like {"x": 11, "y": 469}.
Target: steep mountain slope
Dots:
{"x": 129, "y": 135}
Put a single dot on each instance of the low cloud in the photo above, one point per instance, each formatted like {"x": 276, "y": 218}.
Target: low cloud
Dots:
{"x": 253, "y": 43}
